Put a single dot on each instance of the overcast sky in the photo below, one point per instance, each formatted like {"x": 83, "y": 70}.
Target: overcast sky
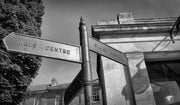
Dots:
{"x": 61, "y": 22}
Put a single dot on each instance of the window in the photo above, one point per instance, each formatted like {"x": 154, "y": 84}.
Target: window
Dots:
{"x": 95, "y": 92}
{"x": 59, "y": 99}
{"x": 37, "y": 101}
{"x": 165, "y": 81}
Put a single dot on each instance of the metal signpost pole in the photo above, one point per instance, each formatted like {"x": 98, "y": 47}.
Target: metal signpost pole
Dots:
{"x": 86, "y": 67}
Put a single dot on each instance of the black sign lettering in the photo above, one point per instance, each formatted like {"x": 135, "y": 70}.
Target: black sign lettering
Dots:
{"x": 64, "y": 51}
{"x": 60, "y": 50}
{"x": 56, "y": 49}
{"x": 27, "y": 44}
{"x": 34, "y": 45}
{"x": 51, "y": 49}
{"x": 47, "y": 48}
{"x": 68, "y": 52}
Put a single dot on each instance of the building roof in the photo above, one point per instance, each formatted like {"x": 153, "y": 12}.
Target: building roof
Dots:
{"x": 138, "y": 21}
{"x": 44, "y": 87}
{"x": 148, "y": 25}
{"x": 48, "y": 91}
{"x": 45, "y": 91}
{"x": 37, "y": 87}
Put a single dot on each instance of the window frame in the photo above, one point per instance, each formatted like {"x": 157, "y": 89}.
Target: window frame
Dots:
{"x": 162, "y": 56}
{"x": 96, "y": 94}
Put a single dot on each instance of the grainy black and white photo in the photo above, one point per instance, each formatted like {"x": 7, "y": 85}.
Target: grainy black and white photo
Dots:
{"x": 89, "y": 52}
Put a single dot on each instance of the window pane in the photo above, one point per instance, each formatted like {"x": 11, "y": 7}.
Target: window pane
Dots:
{"x": 165, "y": 81}
{"x": 96, "y": 94}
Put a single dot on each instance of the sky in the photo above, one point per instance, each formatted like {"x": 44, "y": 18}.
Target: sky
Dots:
{"x": 61, "y": 22}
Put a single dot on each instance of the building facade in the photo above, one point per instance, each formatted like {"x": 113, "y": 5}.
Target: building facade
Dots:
{"x": 53, "y": 94}
{"x": 152, "y": 47}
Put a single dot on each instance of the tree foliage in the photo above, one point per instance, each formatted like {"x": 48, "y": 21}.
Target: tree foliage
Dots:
{"x": 17, "y": 69}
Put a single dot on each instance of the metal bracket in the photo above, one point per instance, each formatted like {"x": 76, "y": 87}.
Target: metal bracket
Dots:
{"x": 174, "y": 29}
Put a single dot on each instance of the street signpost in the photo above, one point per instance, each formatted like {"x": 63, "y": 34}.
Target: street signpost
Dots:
{"x": 74, "y": 88}
{"x": 107, "y": 51}
{"x": 97, "y": 47}
{"x": 36, "y": 46}
{"x": 32, "y": 45}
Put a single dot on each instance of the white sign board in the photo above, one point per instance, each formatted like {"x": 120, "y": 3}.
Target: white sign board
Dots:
{"x": 41, "y": 47}
{"x": 107, "y": 51}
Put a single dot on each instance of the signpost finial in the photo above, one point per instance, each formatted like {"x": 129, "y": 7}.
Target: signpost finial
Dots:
{"x": 81, "y": 19}
{"x": 82, "y": 22}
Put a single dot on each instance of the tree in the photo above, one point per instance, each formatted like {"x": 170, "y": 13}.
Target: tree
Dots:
{"x": 17, "y": 69}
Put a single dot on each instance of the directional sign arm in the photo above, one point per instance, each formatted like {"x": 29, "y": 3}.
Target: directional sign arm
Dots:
{"x": 36, "y": 46}
{"x": 107, "y": 51}
{"x": 74, "y": 88}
